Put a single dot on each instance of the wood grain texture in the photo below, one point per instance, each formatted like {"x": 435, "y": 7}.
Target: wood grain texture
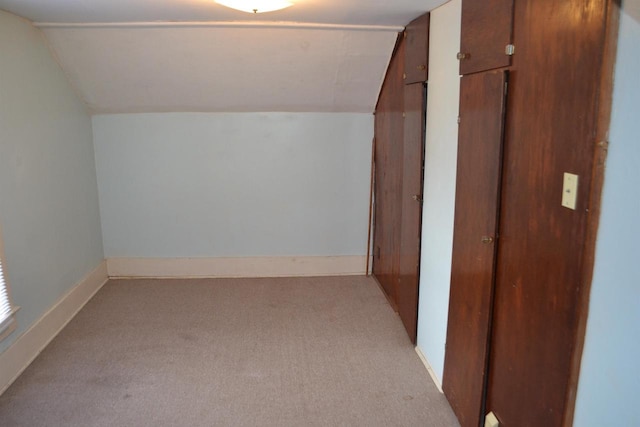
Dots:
{"x": 411, "y": 224}
{"x": 600, "y": 151}
{"x": 389, "y": 134}
{"x": 550, "y": 129}
{"x": 417, "y": 50}
{"x": 472, "y": 278}
{"x": 486, "y": 31}
{"x": 399, "y": 163}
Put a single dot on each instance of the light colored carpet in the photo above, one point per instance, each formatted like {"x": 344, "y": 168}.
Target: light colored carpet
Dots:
{"x": 230, "y": 352}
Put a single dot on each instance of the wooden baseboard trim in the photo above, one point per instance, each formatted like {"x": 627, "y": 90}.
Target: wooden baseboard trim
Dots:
{"x": 236, "y": 267}
{"x": 427, "y": 365}
{"x": 15, "y": 359}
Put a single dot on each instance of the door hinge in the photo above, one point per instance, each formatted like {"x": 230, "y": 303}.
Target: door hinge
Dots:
{"x": 510, "y": 50}
{"x": 459, "y": 120}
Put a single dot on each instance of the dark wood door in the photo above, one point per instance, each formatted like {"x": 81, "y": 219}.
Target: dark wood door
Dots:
{"x": 417, "y": 50}
{"x": 389, "y": 134}
{"x": 399, "y": 162}
{"x": 482, "y": 106}
{"x": 411, "y": 225}
{"x": 486, "y": 31}
{"x": 550, "y": 129}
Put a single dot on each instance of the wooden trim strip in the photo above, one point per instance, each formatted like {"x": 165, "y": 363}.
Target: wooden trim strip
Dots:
{"x": 371, "y": 201}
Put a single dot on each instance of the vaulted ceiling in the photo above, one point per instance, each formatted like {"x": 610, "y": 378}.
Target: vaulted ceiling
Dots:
{"x": 195, "y": 55}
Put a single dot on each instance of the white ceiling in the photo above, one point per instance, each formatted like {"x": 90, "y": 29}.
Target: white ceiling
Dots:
{"x": 358, "y": 12}
{"x": 318, "y": 55}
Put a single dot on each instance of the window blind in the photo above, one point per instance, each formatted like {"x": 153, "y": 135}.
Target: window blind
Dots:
{"x": 6, "y": 310}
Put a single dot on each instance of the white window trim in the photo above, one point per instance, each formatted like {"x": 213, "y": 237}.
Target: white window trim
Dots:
{"x": 7, "y": 325}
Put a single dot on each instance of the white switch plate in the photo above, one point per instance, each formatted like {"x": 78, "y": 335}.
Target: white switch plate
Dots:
{"x": 491, "y": 420}
{"x": 570, "y": 191}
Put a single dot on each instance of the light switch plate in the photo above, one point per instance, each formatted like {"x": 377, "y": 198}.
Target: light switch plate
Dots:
{"x": 491, "y": 420}
{"x": 570, "y": 191}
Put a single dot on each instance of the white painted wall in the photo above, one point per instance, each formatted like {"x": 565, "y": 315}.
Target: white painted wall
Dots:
{"x": 233, "y": 184}
{"x": 439, "y": 183}
{"x": 610, "y": 376}
{"x": 48, "y": 192}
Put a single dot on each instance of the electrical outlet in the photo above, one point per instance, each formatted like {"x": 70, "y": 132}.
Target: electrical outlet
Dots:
{"x": 491, "y": 420}
{"x": 570, "y": 191}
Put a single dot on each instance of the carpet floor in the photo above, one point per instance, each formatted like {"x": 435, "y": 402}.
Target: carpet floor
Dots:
{"x": 230, "y": 352}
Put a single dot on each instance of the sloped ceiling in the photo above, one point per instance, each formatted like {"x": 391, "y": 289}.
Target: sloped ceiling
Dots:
{"x": 223, "y": 69}
{"x": 127, "y": 56}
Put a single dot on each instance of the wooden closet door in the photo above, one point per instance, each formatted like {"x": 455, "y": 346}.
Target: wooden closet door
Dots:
{"x": 389, "y": 134}
{"x": 411, "y": 225}
{"x": 399, "y": 163}
{"x": 416, "y": 61}
{"x": 482, "y": 106}
{"x": 550, "y": 129}
{"x": 486, "y": 31}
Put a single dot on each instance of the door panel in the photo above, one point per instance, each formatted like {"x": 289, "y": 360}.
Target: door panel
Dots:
{"x": 482, "y": 106}
{"x": 486, "y": 32}
{"x": 389, "y": 134}
{"x": 413, "y": 165}
{"x": 417, "y": 50}
{"x": 539, "y": 277}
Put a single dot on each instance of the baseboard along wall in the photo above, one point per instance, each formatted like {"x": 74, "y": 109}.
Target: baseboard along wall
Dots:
{"x": 427, "y": 365}
{"x": 15, "y": 359}
{"x": 236, "y": 267}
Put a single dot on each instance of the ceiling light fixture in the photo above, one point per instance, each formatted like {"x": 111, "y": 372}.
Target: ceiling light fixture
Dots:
{"x": 255, "y": 6}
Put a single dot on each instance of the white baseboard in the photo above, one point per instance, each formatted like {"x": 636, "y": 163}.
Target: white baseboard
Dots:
{"x": 15, "y": 359}
{"x": 236, "y": 267}
{"x": 427, "y": 365}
